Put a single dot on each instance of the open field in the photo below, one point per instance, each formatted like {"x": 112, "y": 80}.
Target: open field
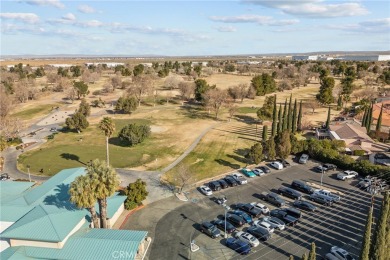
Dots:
{"x": 224, "y": 81}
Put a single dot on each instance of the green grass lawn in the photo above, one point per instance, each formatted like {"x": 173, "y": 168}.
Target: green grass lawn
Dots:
{"x": 247, "y": 110}
{"x": 35, "y": 111}
{"x": 67, "y": 151}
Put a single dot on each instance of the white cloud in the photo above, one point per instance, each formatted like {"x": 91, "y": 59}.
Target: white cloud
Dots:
{"x": 86, "y": 9}
{"x": 23, "y": 17}
{"x": 261, "y": 20}
{"x": 91, "y": 23}
{"x": 314, "y": 8}
{"x": 226, "y": 29}
{"x": 69, "y": 16}
{"x": 54, "y": 3}
{"x": 370, "y": 26}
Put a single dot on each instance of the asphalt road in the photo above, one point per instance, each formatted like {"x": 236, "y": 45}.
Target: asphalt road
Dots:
{"x": 173, "y": 224}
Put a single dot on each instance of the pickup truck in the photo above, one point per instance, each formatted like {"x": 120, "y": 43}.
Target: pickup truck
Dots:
{"x": 347, "y": 175}
{"x": 328, "y": 194}
{"x": 272, "y": 198}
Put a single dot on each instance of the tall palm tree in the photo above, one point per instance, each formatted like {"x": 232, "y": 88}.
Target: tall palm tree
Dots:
{"x": 105, "y": 181}
{"x": 107, "y": 126}
{"x": 81, "y": 193}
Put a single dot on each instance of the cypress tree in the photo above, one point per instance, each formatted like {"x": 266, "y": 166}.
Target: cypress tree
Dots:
{"x": 380, "y": 245}
{"x": 364, "y": 119}
{"x": 265, "y": 133}
{"x": 304, "y": 256}
{"x": 364, "y": 254}
{"x": 271, "y": 148}
{"x": 328, "y": 119}
{"x": 379, "y": 122}
{"x": 294, "y": 118}
{"x": 339, "y": 103}
{"x": 299, "y": 124}
{"x": 285, "y": 116}
{"x": 312, "y": 253}
{"x": 274, "y": 119}
{"x": 289, "y": 115}
{"x": 369, "y": 120}
{"x": 280, "y": 122}
{"x": 291, "y": 257}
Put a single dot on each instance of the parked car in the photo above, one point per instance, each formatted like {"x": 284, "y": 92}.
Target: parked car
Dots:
{"x": 248, "y": 173}
{"x": 243, "y": 215}
{"x": 328, "y": 194}
{"x": 331, "y": 256}
{"x": 282, "y": 215}
{"x": 259, "y": 232}
{"x": 220, "y": 200}
{"x": 53, "y": 129}
{"x": 4, "y": 177}
{"x": 347, "y": 175}
{"x": 239, "y": 178}
{"x": 210, "y": 229}
{"x": 215, "y": 186}
{"x": 329, "y": 166}
{"x": 272, "y": 198}
{"x": 320, "y": 199}
{"x": 250, "y": 209}
{"x": 296, "y": 213}
{"x": 274, "y": 222}
{"x": 239, "y": 246}
{"x": 235, "y": 220}
{"x": 302, "y": 186}
{"x": 219, "y": 223}
{"x": 264, "y": 224}
{"x": 341, "y": 253}
{"x": 205, "y": 190}
{"x": 304, "y": 205}
{"x": 223, "y": 183}
{"x": 264, "y": 209}
{"x": 303, "y": 159}
{"x": 288, "y": 192}
{"x": 258, "y": 172}
{"x": 231, "y": 181}
{"x": 285, "y": 163}
{"x": 264, "y": 168}
{"x": 277, "y": 165}
{"x": 247, "y": 238}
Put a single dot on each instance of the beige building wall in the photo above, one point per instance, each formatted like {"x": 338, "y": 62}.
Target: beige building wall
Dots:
{"x": 114, "y": 218}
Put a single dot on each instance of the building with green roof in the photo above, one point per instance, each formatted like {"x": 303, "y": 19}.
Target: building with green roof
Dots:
{"x": 40, "y": 222}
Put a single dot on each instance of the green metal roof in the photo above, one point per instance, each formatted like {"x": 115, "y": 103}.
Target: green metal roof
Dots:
{"x": 113, "y": 204}
{"x": 10, "y": 213}
{"x": 45, "y": 223}
{"x": 88, "y": 244}
{"x": 14, "y": 253}
{"x": 10, "y": 189}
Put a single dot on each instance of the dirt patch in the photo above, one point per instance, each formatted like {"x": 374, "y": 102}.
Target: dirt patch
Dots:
{"x": 157, "y": 129}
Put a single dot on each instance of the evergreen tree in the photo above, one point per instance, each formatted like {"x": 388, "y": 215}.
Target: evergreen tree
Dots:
{"x": 280, "y": 121}
{"x": 289, "y": 114}
{"x": 265, "y": 133}
{"x": 326, "y": 87}
{"x": 364, "y": 118}
{"x": 84, "y": 108}
{"x": 328, "y": 119}
{"x": 304, "y": 256}
{"x": 283, "y": 144}
{"x": 369, "y": 120}
{"x": 339, "y": 103}
{"x": 312, "y": 253}
{"x": 271, "y": 149}
{"x": 364, "y": 254}
{"x": 294, "y": 118}
{"x": 380, "y": 245}
{"x": 274, "y": 119}
{"x": 299, "y": 124}
{"x": 291, "y": 257}
{"x": 256, "y": 153}
{"x": 379, "y": 122}
{"x": 284, "y": 116}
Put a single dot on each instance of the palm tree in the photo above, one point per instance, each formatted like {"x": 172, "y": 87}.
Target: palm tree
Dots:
{"x": 107, "y": 126}
{"x": 105, "y": 181}
{"x": 81, "y": 193}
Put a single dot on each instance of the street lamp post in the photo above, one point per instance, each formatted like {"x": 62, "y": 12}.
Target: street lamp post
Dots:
{"x": 322, "y": 173}
{"x": 226, "y": 207}
{"x": 28, "y": 170}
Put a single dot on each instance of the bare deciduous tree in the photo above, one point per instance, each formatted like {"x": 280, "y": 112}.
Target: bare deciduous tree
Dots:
{"x": 21, "y": 91}
{"x": 6, "y": 104}
{"x": 116, "y": 81}
{"x": 313, "y": 105}
{"x": 172, "y": 81}
{"x": 284, "y": 85}
{"x": 215, "y": 99}
{"x": 86, "y": 76}
{"x": 182, "y": 177}
{"x": 141, "y": 86}
{"x": 186, "y": 90}
{"x": 71, "y": 94}
{"x": 10, "y": 127}
{"x": 232, "y": 109}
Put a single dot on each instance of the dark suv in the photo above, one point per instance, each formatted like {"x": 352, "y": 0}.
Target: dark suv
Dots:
{"x": 223, "y": 184}
{"x": 210, "y": 229}
{"x": 214, "y": 186}
{"x": 235, "y": 220}
{"x": 282, "y": 215}
{"x": 302, "y": 186}
{"x": 250, "y": 209}
{"x": 231, "y": 181}
{"x": 290, "y": 193}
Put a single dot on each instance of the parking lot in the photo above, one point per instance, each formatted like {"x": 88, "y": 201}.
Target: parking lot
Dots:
{"x": 174, "y": 226}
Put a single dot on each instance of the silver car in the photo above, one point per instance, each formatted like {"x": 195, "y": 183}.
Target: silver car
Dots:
{"x": 303, "y": 159}
{"x": 274, "y": 222}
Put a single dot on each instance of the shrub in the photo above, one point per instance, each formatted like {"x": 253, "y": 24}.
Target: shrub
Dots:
{"x": 134, "y": 133}
{"x": 359, "y": 152}
{"x": 136, "y": 193}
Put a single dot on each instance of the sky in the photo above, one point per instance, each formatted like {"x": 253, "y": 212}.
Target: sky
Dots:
{"x": 192, "y": 28}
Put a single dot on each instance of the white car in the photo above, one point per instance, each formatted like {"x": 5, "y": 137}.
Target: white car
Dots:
{"x": 240, "y": 178}
{"x": 341, "y": 253}
{"x": 277, "y": 165}
{"x": 328, "y": 194}
{"x": 303, "y": 159}
{"x": 347, "y": 175}
{"x": 248, "y": 238}
{"x": 264, "y": 209}
{"x": 258, "y": 172}
{"x": 274, "y": 222}
{"x": 263, "y": 224}
{"x": 206, "y": 190}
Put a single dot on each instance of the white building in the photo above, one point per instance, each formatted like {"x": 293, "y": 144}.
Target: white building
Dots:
{"x": 304, "y": 57}
{"x": 366, "y": 57}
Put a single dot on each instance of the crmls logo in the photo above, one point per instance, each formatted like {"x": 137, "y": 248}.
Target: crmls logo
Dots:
{"x": 122, "y": 255}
